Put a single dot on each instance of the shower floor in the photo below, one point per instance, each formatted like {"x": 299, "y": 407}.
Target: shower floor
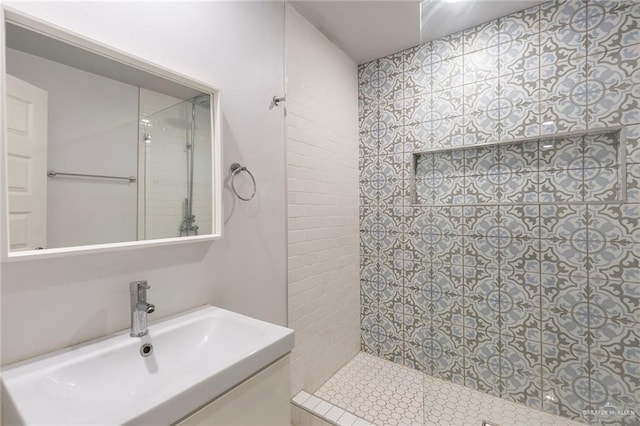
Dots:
{"x": 384, "y": 393}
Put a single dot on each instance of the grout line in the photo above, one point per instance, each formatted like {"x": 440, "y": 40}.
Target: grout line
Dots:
{"x": 540, "y": 275}
{"x": 498, "y": 218}
{"x": 465, "y": 355}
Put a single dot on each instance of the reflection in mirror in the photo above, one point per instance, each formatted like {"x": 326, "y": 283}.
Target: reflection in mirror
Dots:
{"x": 180, "y": 194}
{"x": 99, "y": 151}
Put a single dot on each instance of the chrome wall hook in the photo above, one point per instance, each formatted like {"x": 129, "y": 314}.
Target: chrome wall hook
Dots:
{"x": 276, "y": 100}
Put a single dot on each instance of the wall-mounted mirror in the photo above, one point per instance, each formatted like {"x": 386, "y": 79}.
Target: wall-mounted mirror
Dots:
{"x": 103, "y": 148}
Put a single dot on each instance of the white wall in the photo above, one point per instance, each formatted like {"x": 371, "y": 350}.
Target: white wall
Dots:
{"x": 322, "y": 181}
{"x": 237, "y": 47}
{"x": 92, "y": 127}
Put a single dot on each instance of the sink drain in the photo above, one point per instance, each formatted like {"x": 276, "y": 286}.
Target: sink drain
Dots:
{"x": 146, "y": 349}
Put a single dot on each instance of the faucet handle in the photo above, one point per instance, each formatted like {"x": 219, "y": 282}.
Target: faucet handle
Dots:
{"x": 137, "y": 285}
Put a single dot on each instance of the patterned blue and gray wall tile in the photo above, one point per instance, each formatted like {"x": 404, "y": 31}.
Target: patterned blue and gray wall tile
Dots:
{"x": 511, "y": 268}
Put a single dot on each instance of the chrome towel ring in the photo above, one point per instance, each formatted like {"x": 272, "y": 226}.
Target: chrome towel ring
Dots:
{"x": 236, "y": 169}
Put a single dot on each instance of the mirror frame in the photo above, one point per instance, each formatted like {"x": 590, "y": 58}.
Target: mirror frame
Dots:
{"x": 16, "y": 17}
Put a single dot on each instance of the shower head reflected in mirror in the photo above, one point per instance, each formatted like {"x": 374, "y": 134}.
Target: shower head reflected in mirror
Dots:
{"x": 203, "y": 100}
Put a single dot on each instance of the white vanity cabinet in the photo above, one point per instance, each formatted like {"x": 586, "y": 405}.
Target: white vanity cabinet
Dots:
{"x": 261, "y": 400}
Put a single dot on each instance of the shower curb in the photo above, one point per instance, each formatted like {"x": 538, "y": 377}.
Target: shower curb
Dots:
{"x": 327, "y": 411}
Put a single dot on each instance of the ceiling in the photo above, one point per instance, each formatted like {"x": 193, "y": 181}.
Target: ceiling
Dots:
{"x": 370, "y": 29}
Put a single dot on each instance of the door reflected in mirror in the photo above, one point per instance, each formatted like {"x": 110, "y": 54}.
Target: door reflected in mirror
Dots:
{"x": 100, "y": 151}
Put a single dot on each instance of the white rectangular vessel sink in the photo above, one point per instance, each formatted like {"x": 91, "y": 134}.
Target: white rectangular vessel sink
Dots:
{"x": 196, "y": 357}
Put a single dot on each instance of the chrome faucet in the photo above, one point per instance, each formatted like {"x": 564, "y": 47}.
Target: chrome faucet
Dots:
{"x": 139, "y": 308}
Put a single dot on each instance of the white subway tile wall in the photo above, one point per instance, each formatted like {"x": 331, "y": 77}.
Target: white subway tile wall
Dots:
{"x": 322, "y": 184}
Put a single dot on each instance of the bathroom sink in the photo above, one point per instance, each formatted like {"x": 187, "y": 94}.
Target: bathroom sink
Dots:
{"x": 196, "y": 357}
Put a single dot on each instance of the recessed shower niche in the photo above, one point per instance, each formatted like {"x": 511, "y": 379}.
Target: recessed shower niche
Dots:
{"x": 583, "y": 168}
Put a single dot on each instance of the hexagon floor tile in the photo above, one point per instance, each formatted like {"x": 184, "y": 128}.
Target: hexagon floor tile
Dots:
{"x": 388, "y": 394}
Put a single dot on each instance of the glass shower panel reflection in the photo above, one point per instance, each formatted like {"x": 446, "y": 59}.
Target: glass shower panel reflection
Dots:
{"x": 175, "y": 196}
